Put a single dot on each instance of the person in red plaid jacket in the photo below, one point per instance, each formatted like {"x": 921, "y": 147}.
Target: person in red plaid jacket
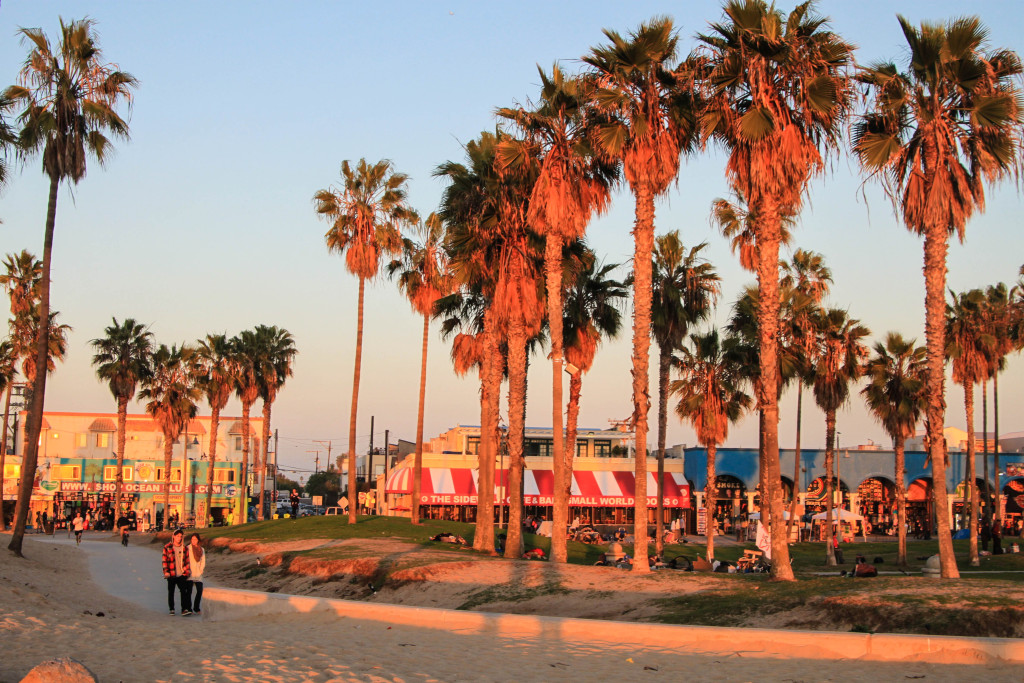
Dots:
{"x": 177, "y": 571}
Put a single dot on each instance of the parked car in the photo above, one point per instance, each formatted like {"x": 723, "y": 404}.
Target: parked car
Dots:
{"x": 335, "y": 511}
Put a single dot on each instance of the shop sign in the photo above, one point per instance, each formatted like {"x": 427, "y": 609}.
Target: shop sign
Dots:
{"x": 132, "y": 487}
{"x": 579, "y": 501}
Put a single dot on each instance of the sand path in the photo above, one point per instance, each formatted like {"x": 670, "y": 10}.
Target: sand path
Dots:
{"x": 49, "y": 606}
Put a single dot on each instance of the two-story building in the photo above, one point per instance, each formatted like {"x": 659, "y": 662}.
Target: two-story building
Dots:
{"x": 77, "y": 467}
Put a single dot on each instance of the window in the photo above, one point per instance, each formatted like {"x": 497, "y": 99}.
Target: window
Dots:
{"x": 603, "y": 449}
{"x": 223, "y": 475}
{"x": 473, "y": 445}
{"x": 538, "y": 447}
{"x": 81, "y": 440}
{"x": 110, "y": 473}
{"x": 175, "y": 474}
{"x": 68, "y": 472}
{"x": 12, "y": 471}
{"x": 238, "y": 443}
{"x": 581, "y": 449}
{"x": 102, "y": 440}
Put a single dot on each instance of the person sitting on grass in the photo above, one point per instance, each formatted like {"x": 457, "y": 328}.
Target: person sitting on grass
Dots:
{"x": 863, "y": 569}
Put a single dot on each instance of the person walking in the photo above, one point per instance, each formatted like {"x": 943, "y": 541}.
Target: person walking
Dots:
{"x": 79, "y": 526}
{"x": 177, "y": 571}
{"x": 294, "y": 500}
{"x": 197, "y": 565}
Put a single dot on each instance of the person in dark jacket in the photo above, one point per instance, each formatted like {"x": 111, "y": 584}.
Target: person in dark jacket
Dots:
{"x": 294, "y": 499}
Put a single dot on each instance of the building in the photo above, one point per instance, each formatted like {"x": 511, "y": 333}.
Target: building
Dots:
{"x": 602, "y": 488}
{"x": 865, "y": 478}
{"x": 77, "y": 466}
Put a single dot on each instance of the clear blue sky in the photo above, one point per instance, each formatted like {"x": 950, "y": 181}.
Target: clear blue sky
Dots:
{"x": 204, "y": 221}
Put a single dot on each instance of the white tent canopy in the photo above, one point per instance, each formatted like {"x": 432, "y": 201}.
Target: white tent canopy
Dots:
{"x": 839, "y": 515}
{"x": 757, "y": 515}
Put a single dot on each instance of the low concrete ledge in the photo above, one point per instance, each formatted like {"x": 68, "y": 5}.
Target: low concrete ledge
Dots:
{"x": 222, "y": 604}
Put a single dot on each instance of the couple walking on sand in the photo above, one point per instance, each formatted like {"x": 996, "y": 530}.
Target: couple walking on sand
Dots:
{"x": 183, "y": 568}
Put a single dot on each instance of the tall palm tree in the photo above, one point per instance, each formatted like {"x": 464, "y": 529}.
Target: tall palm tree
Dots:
{"x": 809, "y": 277}
{"x": 838, "y": 363}
{"x": 245, "y": 349}
{"x": 123, "y": 360}
{"x": 895, "y": 395}
{"x": 778, "y": 93}
{"x": 8, "y": 371}
{"x": 216, "y": 369}
{"x": 8, "y": 138}
{"x": 686, "y": 289}
{"x": 424, "y": 278}
{"x": 573, "y": 184}
{"x": 592, "y": 311}
{"x": 934, "y": 134}
{"x": 969, "y": 345}
{"x": 171, "y": 393}
{"x": 644, "y": 120}
{"x": 710, "y": 399}
{"x": 1004, "y": 323}
{"x": 69, "y": 97}
{"x": 366, "y": 213}
{"x": 276, "y": 354}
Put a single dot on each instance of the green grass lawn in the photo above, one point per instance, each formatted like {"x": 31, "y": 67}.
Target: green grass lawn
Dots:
{"x": 808, "y": 558}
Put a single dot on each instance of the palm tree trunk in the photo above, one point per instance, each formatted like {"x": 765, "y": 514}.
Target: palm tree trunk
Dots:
{"x": 417, "y": 468}
{"x": 34, "y": 423}
{"x": 796, "y": 458}
{"x": 168, "y": 451}
{"x": 122, "y": 422}
{"x": 901, "y": 503}
{"x": 264, "y": 443}
{"x": 643, "y": 236}
{"x": 664, "y": 361}
{"x": 483, "y": 539}
{"x": 516, "y": 390}
{"x": 984, "y": 451}
{"x": 214, "y": 427}
{"x": 830, "y": 458}
{"x": 3, "y": 453}
{"x": 352, "y": 499}
{"x": 246, "y": 444}
{"x": 560, "y": 511}
{"x": 711, "y": 493}
{"x": 996, "y": 511}
{"x": 571, "y": 421}
{"x": 935, "y": 248}
{"x": 768, "y": 327}
{"x": 970, "y": 482}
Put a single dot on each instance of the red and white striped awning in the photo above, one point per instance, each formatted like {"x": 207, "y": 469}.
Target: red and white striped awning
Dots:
{"x": 457, "y": 486}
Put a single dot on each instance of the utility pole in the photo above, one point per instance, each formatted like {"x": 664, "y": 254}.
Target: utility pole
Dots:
{"x": 275, "y": 470}
{"x": 328, "y": 444}
{"x": 369, "y": 459}
{"x": 316, "y": 461}
{"x": 387, "y": 463}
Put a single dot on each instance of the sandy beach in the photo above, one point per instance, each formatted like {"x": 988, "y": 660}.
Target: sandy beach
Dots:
{"x": 59, "y": 602}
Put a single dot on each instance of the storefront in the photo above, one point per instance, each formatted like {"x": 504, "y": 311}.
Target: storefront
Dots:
{"x": 876, "y": 504}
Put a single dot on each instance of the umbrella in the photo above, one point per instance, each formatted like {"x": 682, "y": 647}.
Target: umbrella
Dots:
{"x": 839, "y": 515}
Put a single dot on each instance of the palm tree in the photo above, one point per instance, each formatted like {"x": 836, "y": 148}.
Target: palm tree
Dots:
{"x": 572, "y": 185}
{"x": 70, "y": 98}
{"x": 1004, "y": 323}
{"x": 592, "y": 310}
{"x": 216, "y": 369}
{"x": 778, "y": 93}
{"x": 424, "y": 278}
{"x": 809, "y": 277}
{"x": 123, "y": 360}
{"x": 8, "y": 371}
{"x": 645, "y": 121}
{"x": 710, "y": 399}
{"x": 366, "y": 215}
{"x": 934, "y": 135}
{"x": 245, "y": 349}
{"x": 838, "y": 363}
{"x": 686, "y": 289}
{"x": 8, "y": 140}
{"x": 171, "y": 394}
{"x": 276, "y": 354}
{"x": 895, "y": 396}
{"x": 969, "y": 346}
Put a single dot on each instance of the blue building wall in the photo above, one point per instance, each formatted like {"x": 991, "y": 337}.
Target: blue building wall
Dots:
{"x": 854, "y": 466}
